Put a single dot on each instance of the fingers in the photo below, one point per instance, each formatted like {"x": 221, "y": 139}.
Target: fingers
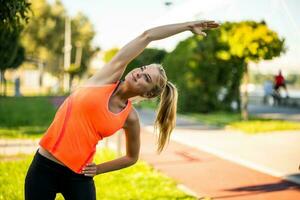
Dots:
{"x": 203, "y": 34}
{"x": 210, "y": 25}
{"x": 207, "y": 21}
{"x": 213, "y": 25}
{"x": 90, "y": 170}
{"x": 206, "y": 24}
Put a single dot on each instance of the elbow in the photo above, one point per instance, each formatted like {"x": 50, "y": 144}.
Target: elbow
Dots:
{"x": 132, "y": 160}
{"x": 146, "y": 35}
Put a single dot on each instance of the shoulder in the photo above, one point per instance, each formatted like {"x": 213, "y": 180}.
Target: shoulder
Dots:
{"x": 110, "y": 73}
{"x": 132, "y": 119}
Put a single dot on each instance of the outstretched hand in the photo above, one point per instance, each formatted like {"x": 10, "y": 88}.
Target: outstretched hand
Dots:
{"x": 197, "y": 27}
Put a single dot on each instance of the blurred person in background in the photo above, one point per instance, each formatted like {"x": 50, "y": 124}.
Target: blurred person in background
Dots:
{"x": 279, "y": 82}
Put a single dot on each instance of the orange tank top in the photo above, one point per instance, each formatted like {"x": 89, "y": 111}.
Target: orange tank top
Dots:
{"x": 80, "y": 122}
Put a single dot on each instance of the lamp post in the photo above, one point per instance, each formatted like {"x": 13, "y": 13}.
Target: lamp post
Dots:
{"x": 67, "y": 54}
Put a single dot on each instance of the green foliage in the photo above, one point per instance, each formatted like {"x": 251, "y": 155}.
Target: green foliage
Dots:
{"x": 252, "y": 41}
{"x": 12, "y": 53}
{"x": 208, "y": 71}
{"x": 44, "y": 36}
{"x": 13, "y": 17}
{"x": 13, "y": 13}
{"x": 25, "y": 116}
{"x": 293, "y": 79}
{"x": 137, "y": 182}
{"x": 82, "y": 36}
{"x": 200, "y": 73}
{"x": 109, "y": 54}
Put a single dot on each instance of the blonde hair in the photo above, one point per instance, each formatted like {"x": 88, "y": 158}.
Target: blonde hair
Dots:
{"x": 166, "y": 113}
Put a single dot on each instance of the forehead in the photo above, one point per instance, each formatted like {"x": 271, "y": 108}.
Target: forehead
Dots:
{"x": 150, "y": 68}
{"x": 153, "y": 71}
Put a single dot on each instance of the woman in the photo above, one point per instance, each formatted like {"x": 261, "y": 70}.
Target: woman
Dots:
{"x": 97, "y": 109}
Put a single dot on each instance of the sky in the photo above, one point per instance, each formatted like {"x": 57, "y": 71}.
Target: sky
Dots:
{"x": 117, "y": 21}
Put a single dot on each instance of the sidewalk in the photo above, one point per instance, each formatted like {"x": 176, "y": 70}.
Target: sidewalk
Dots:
{"x": 209, "y": 175}
{"x": 225, "y": 164}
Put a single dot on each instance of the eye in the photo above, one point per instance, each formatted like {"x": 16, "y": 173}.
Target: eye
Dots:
{"x": 146, "y": 78}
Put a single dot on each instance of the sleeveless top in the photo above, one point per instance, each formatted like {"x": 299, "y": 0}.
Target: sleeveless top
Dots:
{"x": 80, "y": 122}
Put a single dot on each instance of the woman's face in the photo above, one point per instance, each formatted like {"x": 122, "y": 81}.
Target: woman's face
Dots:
{"x": 141, "y": 80}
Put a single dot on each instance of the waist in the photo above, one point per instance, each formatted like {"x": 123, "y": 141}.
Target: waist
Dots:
{"x": 55, "y": 168}
{"x": 48, "y": 155}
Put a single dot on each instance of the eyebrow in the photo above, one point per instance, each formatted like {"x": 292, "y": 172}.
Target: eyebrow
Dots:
{"x": 144, "y": 67}
{"x": 150, "y": 77}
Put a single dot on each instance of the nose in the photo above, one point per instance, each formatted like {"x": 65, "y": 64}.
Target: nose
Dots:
{"x": 138, "y": 75}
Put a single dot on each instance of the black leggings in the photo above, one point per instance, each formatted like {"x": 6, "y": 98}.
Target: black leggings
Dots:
{"x": 45, "y": 178}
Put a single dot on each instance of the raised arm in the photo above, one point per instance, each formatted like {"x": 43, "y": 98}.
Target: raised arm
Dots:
{"x": 113, "y": 70}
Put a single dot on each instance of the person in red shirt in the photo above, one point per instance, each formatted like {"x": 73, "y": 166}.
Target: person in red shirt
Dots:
{"x": 280, "y": 82}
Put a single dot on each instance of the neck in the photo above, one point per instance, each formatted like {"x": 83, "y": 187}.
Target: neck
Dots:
{"x": 122, "y": 93}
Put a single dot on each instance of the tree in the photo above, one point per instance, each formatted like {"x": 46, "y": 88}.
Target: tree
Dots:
{"x": 82, "y": 36}
{"x": 252, "y": 42}
{"x": 13, "y": 13}
{"x": 209, "y": 71}
{"x": 13, "y": 17}
{"x": 206, "y": 78}
{"x": 44, "y": 35}
{"x": 44, "y": 38}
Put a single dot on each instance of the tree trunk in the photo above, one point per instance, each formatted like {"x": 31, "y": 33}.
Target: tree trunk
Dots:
{"x": 245, "y": 99}
{"x": 3, "y": 83}
{"x": 238, "y": 100}
{"x": 70, "y": 82}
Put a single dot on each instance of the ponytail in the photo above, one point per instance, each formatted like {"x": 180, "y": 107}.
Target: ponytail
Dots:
{"x": 166, "y": 116}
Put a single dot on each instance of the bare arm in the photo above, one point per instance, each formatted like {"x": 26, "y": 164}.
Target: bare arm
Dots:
{"x": 116, "y": 67}
{"x": 136, "y": 46}
{"x": 132, "y": 130}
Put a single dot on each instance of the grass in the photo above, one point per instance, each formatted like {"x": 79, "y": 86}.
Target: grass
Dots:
{"x": 22, "y": 132}
{"x": 220, "y": 119}
{"x": 233, "y": 121}
{"x": 25, "y": 117}
{"x": 139, "y": 181}
{"x": 260, "y": 126}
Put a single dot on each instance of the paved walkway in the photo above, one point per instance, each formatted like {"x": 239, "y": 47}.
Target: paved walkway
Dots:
{"x": 210, "y": 175}
{"x": 252, "y": 166}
